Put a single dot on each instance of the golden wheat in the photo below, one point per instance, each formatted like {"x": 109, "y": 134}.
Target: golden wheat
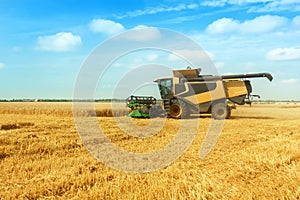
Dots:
{"x": 42, "y": 157}
{"x": 61, "y": 109}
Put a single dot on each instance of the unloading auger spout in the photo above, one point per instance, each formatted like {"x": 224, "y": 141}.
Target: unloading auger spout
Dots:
{"x": 231, "y": 76}
{"x": 254, "y": 75}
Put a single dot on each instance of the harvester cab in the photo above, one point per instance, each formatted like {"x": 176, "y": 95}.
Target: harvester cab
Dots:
{"x": 187, "y": 92}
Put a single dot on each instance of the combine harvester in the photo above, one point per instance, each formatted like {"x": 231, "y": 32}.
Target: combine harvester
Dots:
{"x": 187, "y": 92}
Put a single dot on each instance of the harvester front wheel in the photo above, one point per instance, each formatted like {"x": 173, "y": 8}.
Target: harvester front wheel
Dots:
{"x": 176, "y": 111}
{"x": 220, "y": 111}
{"x": 179, "y": 110}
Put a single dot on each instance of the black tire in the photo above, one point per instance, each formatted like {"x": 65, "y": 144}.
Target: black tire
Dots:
{"x": 179, "y": 110}
{"x": 175, "y": 111}
{"x": 220, "y": 111}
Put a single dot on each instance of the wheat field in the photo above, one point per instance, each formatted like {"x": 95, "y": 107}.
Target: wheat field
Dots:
{"x": 42, "y": 156}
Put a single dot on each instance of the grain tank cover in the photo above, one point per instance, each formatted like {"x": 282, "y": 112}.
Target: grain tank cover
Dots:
{"x": 187, "y": 73}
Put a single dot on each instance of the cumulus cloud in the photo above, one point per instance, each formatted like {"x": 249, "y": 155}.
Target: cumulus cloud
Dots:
{"x": 261, "y": 24}
{"x": 62, "y": 41}
{"x": 283, "y": 54}
{"x": 106, "y": 26}
{"x": 291, "y": 80}
{"x": 223, "y": 25}
{"x": 1, "y": 65}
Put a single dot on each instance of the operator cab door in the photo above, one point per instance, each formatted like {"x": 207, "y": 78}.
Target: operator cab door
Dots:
{"x": 165, "y": 88}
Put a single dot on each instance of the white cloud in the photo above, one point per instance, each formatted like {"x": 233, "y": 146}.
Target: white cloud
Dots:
{"x": 192, "y": 6}
{"x": 291, "y": 80}
{"x": 142, "y": 33}
{"x": 16, "y": 49}
{"x": 296, "y": 21}
{"x": 173, "y": 57}
{"x": 1, "y": 65}
{"x": 192, "y": 56}
{"x": 257, "y": 5}
{"x": 106, "y": 26}
{"x": 152, "y": 57}
{"x": 277, "y": 5}
{"x": 219, "y": 65}
{"x": 216, "y": 3}
{"x": 63, "y": 41}
{"x": 223, "y": 25}
{"x": 142, "y": 27}
{"x": 261, "y": 24}
{"x": 282, "y": 54}
{"x": 241, "y": 2}
{"x": 159, "y": 9}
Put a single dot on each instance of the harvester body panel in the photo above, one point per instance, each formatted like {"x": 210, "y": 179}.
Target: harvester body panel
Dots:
{"x": 202, "y": 92}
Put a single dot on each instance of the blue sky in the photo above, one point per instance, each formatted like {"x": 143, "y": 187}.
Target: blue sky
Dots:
{"x": 43, "y": 44}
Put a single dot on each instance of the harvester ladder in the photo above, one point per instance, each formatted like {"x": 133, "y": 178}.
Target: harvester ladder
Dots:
{"x": 167, "y": 105}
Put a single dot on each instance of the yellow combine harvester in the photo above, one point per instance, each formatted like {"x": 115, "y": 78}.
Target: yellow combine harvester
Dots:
{"x": 187, "y": 92}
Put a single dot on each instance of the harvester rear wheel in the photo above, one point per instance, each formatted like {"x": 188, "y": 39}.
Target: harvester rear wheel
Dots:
{"x": 220, "y": 111}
